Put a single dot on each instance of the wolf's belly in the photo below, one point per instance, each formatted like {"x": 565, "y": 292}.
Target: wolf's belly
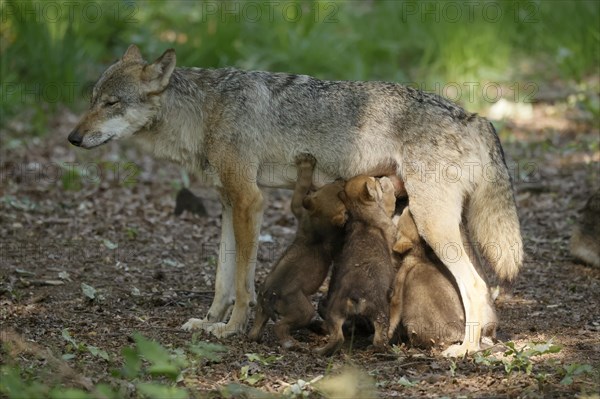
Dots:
{"x": 282, "y": 175}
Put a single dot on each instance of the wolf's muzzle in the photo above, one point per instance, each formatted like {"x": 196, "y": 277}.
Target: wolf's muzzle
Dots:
{"x": 75, "y": 138}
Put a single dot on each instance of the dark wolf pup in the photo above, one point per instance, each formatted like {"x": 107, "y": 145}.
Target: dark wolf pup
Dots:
{"x": 243, "y": 130}
{"x": 363, "y": 272}
{"x": 285, "y": 294}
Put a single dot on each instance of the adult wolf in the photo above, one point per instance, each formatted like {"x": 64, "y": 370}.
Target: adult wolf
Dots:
{"x": 244, "y": 130}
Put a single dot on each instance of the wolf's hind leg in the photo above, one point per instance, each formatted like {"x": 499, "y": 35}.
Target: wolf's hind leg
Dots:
{"x": 438, "y": 217}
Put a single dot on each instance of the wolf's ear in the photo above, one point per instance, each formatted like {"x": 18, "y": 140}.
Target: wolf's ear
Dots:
{"x": 132, "y": 54}
{"x": 402, "y": 245}
{"x": 158, "y": 73}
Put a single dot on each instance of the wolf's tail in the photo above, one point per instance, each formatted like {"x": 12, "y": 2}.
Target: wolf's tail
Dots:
{"x": 491, "y": 214}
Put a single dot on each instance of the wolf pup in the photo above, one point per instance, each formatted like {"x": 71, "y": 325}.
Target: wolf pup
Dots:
{"x": 242, "y": 130}
{"x": 362, "y": 274}
{"x": 285, "y": 294}
{"x": 585, "y": 241}
{"x": 425, "y": 300}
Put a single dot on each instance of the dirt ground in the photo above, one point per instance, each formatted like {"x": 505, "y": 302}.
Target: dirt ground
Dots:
{"x": 105, "y": 218}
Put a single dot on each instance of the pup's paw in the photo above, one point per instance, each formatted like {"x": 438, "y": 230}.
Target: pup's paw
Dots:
{"x": 330, "y": 348}
{"x": 379, "y": 348}
{"x": 196, "y": 324}
{"x": 289, "y": 344}
{"x": 460, "y": 350}
{"x": 305, "y": 160}
{"x": 223, "y": 330}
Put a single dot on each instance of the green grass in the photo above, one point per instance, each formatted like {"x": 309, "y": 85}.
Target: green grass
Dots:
{"x": 51, "y": 56}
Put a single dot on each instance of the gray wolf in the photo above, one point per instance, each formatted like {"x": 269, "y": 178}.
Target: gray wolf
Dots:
{"x": 362, "y": 274}
{"x": 241, "y": 130}
{"x": 285, "y": 294}
{"x": 585, "y": 239}
{"x": 425, "y": 304}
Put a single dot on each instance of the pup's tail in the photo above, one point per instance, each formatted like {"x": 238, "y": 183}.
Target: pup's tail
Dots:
{"x": 491, "y": 214}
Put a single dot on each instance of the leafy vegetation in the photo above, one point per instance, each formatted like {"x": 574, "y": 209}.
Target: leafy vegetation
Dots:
{"x": 51, "y": 54}
{"x": 154, "y": 371}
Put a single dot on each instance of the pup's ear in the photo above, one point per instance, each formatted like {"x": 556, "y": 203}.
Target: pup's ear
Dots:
{"x": 370, "y": 191}
{"x": 342, "y": 196}
{"x": 132, "y": 54}
{"x": 402, "y": 245}
{"x": 159, "y": 72}
{"x": 307, "y": 203}
{"x": 340, "y": 219}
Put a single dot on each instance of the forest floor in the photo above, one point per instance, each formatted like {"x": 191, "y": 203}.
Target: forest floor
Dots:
{"x": 91, "y": 250}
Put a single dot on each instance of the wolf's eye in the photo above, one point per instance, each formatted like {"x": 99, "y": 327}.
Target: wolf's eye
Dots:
{"x": 111, "y": 102}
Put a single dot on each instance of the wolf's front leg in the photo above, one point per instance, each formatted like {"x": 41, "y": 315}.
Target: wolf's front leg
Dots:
{"x": 247, "y": 203}
{"x": 225, "y": 280}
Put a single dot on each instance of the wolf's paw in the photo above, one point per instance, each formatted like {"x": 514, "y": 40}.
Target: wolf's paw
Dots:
{"x": 223, "y": 330}
{"x": 460, "y": 350}
{"x": 196, "y": 324}
{"x": 305, "y": 160}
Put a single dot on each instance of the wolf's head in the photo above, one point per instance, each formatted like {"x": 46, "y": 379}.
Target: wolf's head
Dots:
{"x": 125, "y": 99}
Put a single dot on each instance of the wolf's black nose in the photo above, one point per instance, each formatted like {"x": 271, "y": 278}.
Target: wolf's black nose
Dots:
{"x": 75, "y": 138}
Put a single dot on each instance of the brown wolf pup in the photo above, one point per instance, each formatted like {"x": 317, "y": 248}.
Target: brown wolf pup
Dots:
{"x": 285, "y": 294}
{"x": 363, "y": 273}
{"x": 425, "y": 304}
{"x": 424, "y": 297}
{"x": 425, "y": 300}
{"x": 585, "y": 241}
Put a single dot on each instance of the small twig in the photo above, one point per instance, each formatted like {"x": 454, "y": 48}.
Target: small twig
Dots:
{"x": 46, "y": 282}
{"x": 411, "y": 363}
{"x": 195, "y": 293}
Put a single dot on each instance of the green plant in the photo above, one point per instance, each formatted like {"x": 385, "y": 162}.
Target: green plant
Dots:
{"x": 207, "y": 350}
{"x": 152, "y": 369}
{"x": 453, "y": 366}
{"x": 46, "y": 62}
{"x": 160, "y": 361}
{"x": 521, "y": 359}
{"x": 81, "y": 347}
{"x": 250, "y": 375}
{"x": 516, "y": 359}
{"x": 264, "y": 360}
{"x": 570, "y": 371}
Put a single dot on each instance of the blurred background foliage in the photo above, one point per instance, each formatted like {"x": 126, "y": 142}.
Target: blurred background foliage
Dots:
{"x": 52, "y": 52}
